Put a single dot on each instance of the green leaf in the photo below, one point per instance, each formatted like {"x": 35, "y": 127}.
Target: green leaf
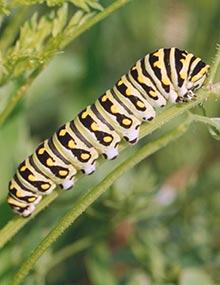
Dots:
{"x": 60, "y": 21}
{"x": 74, "y": 21}
{"x": 86, "y": 4}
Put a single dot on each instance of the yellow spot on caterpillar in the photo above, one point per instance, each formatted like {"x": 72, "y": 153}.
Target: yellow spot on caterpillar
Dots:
{"x": 194, "y": 78}
{"x": 63, "y": 172}
{"x": 120, "y": 82}
{"x": 114, "y": 109}
{"x": 31, "y": 199}
{"x": 104, "y": 98}
{"x": 166, "y": 81}
{"x": 126, "y": 122}
{"x": 71, "y": 144}
{"x": 183, "y": 60}
{"x": 31, "y": 177}
{"x": 84, "y": 114}
{"x": 62, "y": 132}
{"x": 200, "y": 74}
{"x": 41, "y": 150}
{"x": 183, "y": 74}
{"x": 49, "y": 162}
{"x": 12, "y": 185}
{"x": 158, "y": 53}
{"x": 94, "y": 126}
{"x": 23, "y": 168}
{"x": 45, "y": 186}
{"x": 158, "y": 64}
{"x": 19, "y": 193}
{"x": 107, "y": 139}
{"x": 140, "y": 79}
{"x": 128, "y": 92}
{"x": 140, "y": 104}
{"x": 152, "y": 93}
{"x": 85, "y": 156}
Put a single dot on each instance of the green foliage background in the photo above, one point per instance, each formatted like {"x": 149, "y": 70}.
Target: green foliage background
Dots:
{"x": 159, "y": 223}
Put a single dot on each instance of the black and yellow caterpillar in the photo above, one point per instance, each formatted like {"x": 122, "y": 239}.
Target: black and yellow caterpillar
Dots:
{"x": 166, "y": 75}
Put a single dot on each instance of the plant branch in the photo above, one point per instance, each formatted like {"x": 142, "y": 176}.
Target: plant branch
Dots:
{"x": 70, "y": 250}
{"x": 94, "y": 20}
{"x": 86, "y": 200}
{"x": 204, "y": 120}
{"x": 17, "y": 95}
{"x": 215, "y": 66}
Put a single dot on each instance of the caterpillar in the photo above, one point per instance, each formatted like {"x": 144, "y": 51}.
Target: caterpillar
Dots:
{"x": 167, "y": 75}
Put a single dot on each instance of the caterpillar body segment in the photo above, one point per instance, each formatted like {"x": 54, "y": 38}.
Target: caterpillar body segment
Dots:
{"x": 123, "y": 121}
{"x": 58, "y": 170}
{"x": 22, "y": 199}
{"x": 32, "y": 178}
{"x": 75, "y": 151}
{"x": 155, "y": 65}
{"x": 143, "y": 82}
{"x": 168, "y": 75}
{"x": 101, "y": 136}
{"x": 132, "y": 98}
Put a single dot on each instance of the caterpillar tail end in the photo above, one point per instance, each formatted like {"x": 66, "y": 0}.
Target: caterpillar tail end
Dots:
{"x": 23, "y": 209}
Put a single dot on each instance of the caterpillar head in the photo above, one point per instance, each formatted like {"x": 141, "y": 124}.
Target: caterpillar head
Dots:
{"x": 196, "y": 78}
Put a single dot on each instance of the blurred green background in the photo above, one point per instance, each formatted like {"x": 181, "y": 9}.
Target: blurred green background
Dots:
{"x": 159, "y": 224}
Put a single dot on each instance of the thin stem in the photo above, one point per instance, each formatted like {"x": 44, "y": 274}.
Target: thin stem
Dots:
{"x": 215, "y": 66}
{"x": 94, "y": 20}
{"x": 86, "y": 200}
{"x": 18, "y": 95}
{"x": 204, "y": 120}
{"x": 70, "y": 250}
{"x": 13, "y": 226}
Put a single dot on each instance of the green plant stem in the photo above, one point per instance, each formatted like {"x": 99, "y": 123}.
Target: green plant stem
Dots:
{"x": 17, "y": 95}
{"x": 94, "y": 20}
{"x": 174, "y": 111}
{"x": 22, "y": 90}
{"x": 215, "y": 66}
{"x": 70, "y": 250}
{"x": 13, "y": 226}
{"x": 86, "y": 200}
{"x": 204, "y": 120}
